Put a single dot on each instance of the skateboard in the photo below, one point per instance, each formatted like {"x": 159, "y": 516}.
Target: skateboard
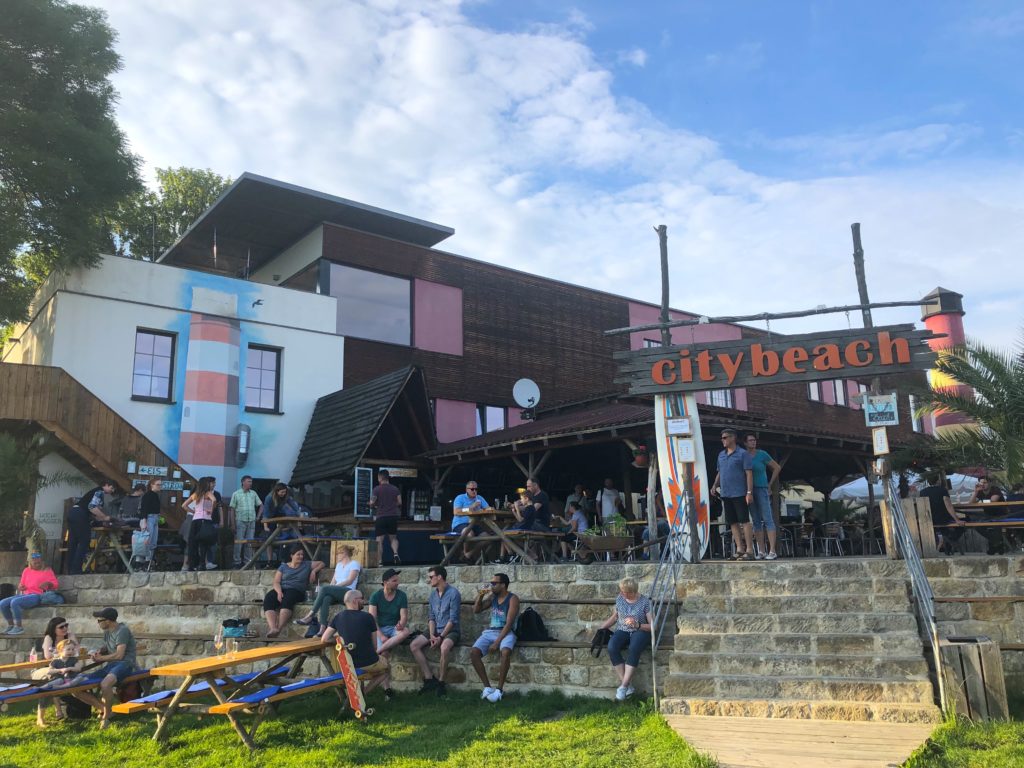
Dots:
{"x": 353, "y": 688}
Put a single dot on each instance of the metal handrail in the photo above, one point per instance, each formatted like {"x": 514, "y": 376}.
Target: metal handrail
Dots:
{"x": 663, "y": 590}
{"x": 924, "y": 598}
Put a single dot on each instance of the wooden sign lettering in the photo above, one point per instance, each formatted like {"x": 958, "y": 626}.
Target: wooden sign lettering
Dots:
{"x": 860, "y": 353}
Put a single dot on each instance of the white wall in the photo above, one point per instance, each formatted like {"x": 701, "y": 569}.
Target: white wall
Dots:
{"x": 293, "y": 259}
{"x": 49, "y": 506}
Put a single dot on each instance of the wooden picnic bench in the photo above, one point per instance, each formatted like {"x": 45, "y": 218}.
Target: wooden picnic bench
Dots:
{"x": 293, "y": 525}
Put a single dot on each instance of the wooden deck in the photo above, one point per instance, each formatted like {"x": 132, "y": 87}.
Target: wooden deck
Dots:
{"x": 98, "y": 440}
{"x": 750, "y": 742}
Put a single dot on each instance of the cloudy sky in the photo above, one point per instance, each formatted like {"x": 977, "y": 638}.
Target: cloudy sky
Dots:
{"x": 553, "y": 136}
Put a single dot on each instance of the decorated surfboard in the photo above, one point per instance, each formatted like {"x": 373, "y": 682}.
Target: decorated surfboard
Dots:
{"x": 681, "y": 460}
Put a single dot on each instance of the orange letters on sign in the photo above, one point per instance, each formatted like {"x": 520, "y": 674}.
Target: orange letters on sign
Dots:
{"x": 659, "y": 375}
{"x": 792, "y": 356}
{"x": 851, "y": 353}
{"x": 827, "y": 357}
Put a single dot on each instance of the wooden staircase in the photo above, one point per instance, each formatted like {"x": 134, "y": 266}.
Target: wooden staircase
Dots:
{"x": 97, "y": 441}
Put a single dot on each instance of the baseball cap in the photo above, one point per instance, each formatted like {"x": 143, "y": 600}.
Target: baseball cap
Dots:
{"x": 110, "y": 614}
{"x": 388, "y": 574}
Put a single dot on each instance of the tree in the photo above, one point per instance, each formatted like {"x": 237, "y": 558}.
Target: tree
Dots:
{"x": 64, "y": 163}
{"x": 996, "y": 439}
{"x": 148, "y": 223}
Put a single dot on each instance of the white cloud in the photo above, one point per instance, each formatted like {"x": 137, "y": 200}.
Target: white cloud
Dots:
{"x": 519, "y": 142}
{"x": 635, "y": 56}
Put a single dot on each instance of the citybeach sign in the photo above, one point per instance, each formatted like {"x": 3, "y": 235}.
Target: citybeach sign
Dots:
{"x": 753, "y": 361}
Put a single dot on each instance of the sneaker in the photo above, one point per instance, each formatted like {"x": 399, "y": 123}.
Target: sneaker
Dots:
{"x": 428, "y": 685}
{"x": 758, "y": 555}
{"x": 236, "y": 565}
{"x": 16, "y": 631}
{"x": 398, "y": 560}
{"x": 313, "y": 631}
{"x": 629, "y": 692}
{"x": 620, "y": 693}
{"x": 495, "y": 696}
{"x": 184, "y": 569}
{"x": 487, "y": 693}
{"x": 771, "y": 556}
{"x": 211, "y": 566}
{"x": 442, "y": 689}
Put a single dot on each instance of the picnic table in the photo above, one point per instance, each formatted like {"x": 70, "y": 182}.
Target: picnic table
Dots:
{"x": 109, "y": 536}
{"x": 294, "y": 525}
{"x": 488, "y": 518}
{"x": 208, "y": 676}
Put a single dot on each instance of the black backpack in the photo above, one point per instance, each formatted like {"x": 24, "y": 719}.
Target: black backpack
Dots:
{"x": 531, "y": 626}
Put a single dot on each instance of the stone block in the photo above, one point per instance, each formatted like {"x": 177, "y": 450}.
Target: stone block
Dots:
{"x": 559, "y": 656}
{"x": 698, "y": 643}
{"x": 530, "y": 573}
{"x": 974, "y": 567}
{"x": 546, "y": 674}
{"x": 602, "y": 572}
{"x": 576, "y": 675}
{"x": 547, "y": 592}
{"x": 593, "y": 613}
{"x": 518, "y": 674}
{"x": 198, "y": 594}
{"x": 999, "y": 612}
{"x": 559, "y": 613}
{"x": 178, "y": 578}
{"x": 604, "y": 677}
{"x": 584, "y": 591}
{"x": 530, "y": 654}
{"x": 245, "y": 578}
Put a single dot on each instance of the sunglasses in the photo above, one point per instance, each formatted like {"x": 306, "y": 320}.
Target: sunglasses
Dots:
{"x": 471, "y": 489}
{"x": 62, "y": 626}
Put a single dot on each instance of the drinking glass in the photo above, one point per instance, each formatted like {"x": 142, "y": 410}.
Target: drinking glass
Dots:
{"x": 218, "y": 641}
{"x": 232, "y": 647}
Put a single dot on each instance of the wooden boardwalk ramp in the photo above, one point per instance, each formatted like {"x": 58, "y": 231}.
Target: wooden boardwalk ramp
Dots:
{"x": 756, "y": 742}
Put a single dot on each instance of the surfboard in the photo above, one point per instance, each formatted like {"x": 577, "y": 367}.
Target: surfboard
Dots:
{"x": 680, "y": 453}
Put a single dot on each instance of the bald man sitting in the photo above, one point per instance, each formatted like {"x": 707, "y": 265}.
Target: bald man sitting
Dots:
{"x": 355, "y": 627}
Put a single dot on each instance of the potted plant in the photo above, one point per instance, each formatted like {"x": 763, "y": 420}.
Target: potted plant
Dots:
{"x": 641, "y": 457}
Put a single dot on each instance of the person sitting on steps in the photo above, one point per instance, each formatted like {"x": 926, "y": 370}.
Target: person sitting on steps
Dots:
{"x": 291, "y": 582}
{"x": 498, "y": 636}
{"x": 442, "y": 629}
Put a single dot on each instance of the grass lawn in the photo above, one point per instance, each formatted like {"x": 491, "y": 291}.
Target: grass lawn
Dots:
{"x": 959, "y": 744}
{"x": 546, "y": 730}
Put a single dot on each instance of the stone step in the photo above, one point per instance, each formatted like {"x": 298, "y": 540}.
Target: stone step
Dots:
{"x": 858, "y": 585}
{"x": 835, "y": 603}
{"x": 905, "y": 643}
{"x": 811, "y": 688}
{"x": 801, "y": 665}
{"x": 799, "y": 623}
{"x": 804, "y": 710}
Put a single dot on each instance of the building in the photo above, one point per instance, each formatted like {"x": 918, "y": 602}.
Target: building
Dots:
{"x": 278, "y": 296}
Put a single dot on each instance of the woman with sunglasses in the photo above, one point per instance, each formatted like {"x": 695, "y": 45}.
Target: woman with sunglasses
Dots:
{"x": 57, "y": 632}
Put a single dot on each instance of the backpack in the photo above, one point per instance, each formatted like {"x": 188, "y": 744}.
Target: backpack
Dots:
{"x": 531, "y": 627}
{"x": 75, "y": 709}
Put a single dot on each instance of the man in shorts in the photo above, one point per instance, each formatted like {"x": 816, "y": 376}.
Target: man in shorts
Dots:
{"x": 498, "y": 636}
{"x": 118, "y": 658}
{"x": 470, "y": 501}
{"x": 442, "y": 629}
{"x": 386, "y": 502}
{"x": 358, "y": 628}
{"x": 734, "y": 484}
{"x": 390, "y": 607}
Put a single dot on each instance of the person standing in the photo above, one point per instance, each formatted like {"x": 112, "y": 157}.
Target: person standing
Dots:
{"x": 943, "y": 513}
{"x": 87, "y": 512}
{"x": 243, "y": 510}
{"x": 609, "y": 503}
{"x": 442, "y": 629}
{"x": 761, "y": 504}
{"x": 201, "y": 531}
{"x": 580, "y": 498}
{"x": 734, "y": 484}
{"x": 149, "y": 511}
{"x": 498, "y": 636}
{"x": 386, "y": 502}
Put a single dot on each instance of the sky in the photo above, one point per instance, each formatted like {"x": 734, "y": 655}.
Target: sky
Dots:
{"x": 554, "y": 136}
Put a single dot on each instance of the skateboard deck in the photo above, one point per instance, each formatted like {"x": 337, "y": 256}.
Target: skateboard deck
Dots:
{"x": 353, "y": 688}
{"x": 681, "y": 461}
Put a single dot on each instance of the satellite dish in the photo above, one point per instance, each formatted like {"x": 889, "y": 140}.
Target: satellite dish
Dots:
{"x": 526, "y": 393}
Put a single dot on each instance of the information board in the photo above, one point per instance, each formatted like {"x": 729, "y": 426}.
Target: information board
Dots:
{"x": 364, "y": 489}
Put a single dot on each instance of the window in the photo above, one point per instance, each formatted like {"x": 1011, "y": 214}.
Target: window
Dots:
{"x": 489, "y": 418}
{"x": 263, "y": 379}
{"x": 916, "y": 422}
{"x": 720, "y": 397}
{"x": 154, "y": 362}
{"x": 371, "y": 305}
{"x": 839, "y": 387}
{"x": 648, "y": 343}
{"x": 814, "y": 391}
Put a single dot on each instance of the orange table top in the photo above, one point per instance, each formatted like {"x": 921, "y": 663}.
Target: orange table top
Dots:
{"x": 215, "y": 663}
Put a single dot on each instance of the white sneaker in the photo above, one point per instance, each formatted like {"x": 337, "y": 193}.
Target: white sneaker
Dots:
{"x": 771, "y": 556}
{"x": 495, "y": 696}
{"x": 620, "y": 693}
{"x": 487, "y": 693}
{"x": 759, "y": 556}
{"x": 629, "y": 692}
{"x": 184, "y": 569}
{"x": 211, "y": 566}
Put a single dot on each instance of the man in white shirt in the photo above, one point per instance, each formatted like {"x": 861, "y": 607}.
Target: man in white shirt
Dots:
{"x": 609, "y": 502}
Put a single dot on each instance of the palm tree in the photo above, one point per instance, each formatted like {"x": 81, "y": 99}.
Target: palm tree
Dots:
{"x": 996, "y": 438}
{"x": 20, "y": 480}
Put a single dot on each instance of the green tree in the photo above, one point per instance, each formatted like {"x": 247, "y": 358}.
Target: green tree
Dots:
{"x": 996, "y": 439}
{"x": 148, "y": 223}
{"x": 64, "y": 163}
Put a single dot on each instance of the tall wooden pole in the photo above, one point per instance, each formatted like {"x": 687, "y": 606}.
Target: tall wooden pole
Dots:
{"x": 666, "y": 341}
{"x": 666, "y": 334}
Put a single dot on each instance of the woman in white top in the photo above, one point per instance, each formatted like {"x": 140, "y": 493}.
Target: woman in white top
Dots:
{"x": 346, "y": 577}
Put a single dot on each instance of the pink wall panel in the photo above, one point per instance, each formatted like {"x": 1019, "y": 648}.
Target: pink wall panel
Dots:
{"x": 642, "y": 314}
{"x": 456, "y": 420}
{"x": 852, "y": 391}
{"x": 739, "y": 398}
{"x": 437, "y": 317}
{"x": 828, "y": 393}
{"x": 514, "y": 419}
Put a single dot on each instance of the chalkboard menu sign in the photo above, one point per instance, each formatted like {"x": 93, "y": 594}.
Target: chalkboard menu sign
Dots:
{"x": 364, "y": 488}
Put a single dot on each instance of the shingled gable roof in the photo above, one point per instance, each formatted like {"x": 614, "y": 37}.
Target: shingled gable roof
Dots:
{"x": 347, "y": 424}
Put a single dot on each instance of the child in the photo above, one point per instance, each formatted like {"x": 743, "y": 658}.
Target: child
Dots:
{"x": 66, "y": 662}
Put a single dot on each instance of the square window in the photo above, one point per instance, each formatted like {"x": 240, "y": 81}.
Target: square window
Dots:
{"x": 162, "y": 346}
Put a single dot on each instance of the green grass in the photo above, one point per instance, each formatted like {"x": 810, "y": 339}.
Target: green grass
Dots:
{"x": 459, "y": 730}
{"x": 960, "y": 744}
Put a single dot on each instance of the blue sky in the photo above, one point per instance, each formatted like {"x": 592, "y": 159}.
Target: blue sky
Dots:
{"x": 553, "y": 136}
